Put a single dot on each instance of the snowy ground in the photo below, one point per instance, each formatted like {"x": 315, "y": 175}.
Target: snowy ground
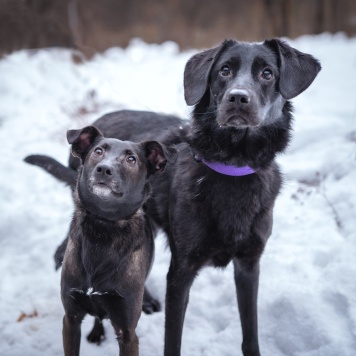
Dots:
{"x": 307, "y": 300}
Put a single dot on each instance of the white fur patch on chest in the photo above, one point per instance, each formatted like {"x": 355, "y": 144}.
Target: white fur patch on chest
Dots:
{"x": 89, "y": 292}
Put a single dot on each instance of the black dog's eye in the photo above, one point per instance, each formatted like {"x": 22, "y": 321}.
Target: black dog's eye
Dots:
{"x": 267, "y": 74}
{"x": 131, "y": 159}
{"x": 98, "y": 151}
{"x": 225, "y": 71}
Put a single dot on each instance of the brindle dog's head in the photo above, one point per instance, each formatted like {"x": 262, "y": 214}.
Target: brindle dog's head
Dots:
{"x": 247, "y": 84}
{"x": 113, "y": 181}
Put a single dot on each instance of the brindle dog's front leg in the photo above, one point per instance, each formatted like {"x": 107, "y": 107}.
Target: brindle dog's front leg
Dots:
{"x": 124, "y": 313}
{"x": 128, "y": 341}
{"x": 246, "y": 280}
{"x": 71, "y": 334}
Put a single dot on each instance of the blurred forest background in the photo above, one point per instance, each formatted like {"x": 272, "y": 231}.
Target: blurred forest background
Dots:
{"x": 95, "y": 25}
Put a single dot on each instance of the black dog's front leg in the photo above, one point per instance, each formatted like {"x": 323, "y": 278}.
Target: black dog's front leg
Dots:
{"x": 71, "y": 334}
{"x": 179, "y": 281}
{"x": 246, "y": 280}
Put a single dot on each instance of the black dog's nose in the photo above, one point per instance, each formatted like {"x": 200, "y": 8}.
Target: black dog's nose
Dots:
{"x": 239, "y": 96}
{"x": 104, "y": 170}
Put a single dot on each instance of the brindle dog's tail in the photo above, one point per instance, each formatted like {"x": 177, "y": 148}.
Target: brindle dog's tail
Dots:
{"x": 64, "y": 174}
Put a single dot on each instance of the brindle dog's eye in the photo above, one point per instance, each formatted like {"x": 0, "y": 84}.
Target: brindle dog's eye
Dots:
{"x": 225, "y": 71}
{"x": 98, "y": 151}
{"x": 267, "y": 74}
{"x": 131, "y": 159}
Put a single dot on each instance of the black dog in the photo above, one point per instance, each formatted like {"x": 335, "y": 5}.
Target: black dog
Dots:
{"x": 221, "y": 196}
{"x": 110, "y": 245}
{"x": 216, "y": 203}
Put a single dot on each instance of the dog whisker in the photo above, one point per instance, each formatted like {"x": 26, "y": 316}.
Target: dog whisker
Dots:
{"x": 200, "y": 180}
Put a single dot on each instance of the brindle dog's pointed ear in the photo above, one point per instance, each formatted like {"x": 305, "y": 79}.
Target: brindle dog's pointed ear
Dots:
{"x": 81, "y": 140}
{"x": 158, "y": 155}
{"x": 197, "y": 72}
{"x": 297, "y": 69}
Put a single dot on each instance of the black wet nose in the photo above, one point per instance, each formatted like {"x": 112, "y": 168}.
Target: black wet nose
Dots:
{"x": 104, "y": 170}
{"x": 239, "y": 96}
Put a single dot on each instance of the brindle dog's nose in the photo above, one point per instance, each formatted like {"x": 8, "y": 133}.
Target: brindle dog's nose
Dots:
{"x": 238, "y": 96}
{"x": 104, "y": 170}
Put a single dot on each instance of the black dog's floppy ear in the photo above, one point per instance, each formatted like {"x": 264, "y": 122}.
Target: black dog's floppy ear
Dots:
{"x": 158, "y": 155}
{"x": 81, "y": 140}
{"x": 297, "y": 69}
{"x": 197, "y": 71}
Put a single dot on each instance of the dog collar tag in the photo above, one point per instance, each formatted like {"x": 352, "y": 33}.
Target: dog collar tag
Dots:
{"x": 229, "y": 170}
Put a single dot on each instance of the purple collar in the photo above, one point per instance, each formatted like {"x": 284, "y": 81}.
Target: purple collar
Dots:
{"x": 229, "y": 170}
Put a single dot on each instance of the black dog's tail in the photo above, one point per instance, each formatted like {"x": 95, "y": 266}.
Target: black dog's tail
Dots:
{"x": 64, "y": 174}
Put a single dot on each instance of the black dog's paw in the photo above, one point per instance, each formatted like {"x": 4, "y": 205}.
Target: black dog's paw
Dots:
{"x": 97, "y": 335}
{"x": 150, "y": 305}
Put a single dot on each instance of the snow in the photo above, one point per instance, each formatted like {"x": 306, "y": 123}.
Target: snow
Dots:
{"x": 307, "y": 297}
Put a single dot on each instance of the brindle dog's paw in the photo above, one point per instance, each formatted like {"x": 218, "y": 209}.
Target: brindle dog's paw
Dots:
{"x": 97, "y": 335}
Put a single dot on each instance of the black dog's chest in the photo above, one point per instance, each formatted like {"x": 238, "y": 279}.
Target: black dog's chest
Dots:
{"x": 221, "y": 259}
{"x": 230, "y": 205}
{"x": 227, "y": 208}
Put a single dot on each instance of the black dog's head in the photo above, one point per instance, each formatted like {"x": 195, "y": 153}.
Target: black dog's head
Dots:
{"x": 113, "y": 182}
{"x": 248, "y": 84}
